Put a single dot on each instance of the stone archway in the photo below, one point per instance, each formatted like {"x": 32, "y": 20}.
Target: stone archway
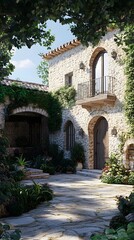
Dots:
{"x": 27, "y": 130}
{"x": 30, "y": 109}
{"x": 94, "y": 128}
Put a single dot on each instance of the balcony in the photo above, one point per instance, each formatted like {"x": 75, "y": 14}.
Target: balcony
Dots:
{"x": 98, "y": 92}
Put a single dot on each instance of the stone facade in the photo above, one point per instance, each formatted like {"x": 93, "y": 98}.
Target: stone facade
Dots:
{"x": 85, "y": 119}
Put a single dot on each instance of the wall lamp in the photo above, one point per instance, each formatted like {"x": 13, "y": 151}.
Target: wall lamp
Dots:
{"x": 82, "y": 66}
{"x": 114, "y": 132}
{"x": 114, "y": 54}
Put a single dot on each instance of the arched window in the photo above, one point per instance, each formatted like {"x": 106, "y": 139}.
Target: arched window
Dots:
{"x": 100, "y": 73}
{"x": 69, "y": 135}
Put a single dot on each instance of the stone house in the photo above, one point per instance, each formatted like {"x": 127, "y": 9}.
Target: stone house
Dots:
{"x": 97, "y": 119}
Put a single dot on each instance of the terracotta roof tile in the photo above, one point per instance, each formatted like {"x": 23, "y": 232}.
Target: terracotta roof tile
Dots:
{"x": 61, "y": 49}
{"x": 28, "y": 85}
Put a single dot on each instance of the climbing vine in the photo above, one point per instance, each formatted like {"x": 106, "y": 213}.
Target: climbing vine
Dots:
{"x": 66, "y": 96}
{"x": 20, "y": 96}
{"x": 127, "y": 41}
{"x": 51, "y": 102}
{"x": 129, "y": 94}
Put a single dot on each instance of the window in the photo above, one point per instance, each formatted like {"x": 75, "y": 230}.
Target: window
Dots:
{"x": 100, "y": 73}
{"x": 69, "y": 135}
{"x": 68, "y": 79}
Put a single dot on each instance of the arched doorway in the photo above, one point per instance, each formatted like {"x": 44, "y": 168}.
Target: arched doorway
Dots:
{"x": 100, "y": 143}
{"x": 27, "y": 132}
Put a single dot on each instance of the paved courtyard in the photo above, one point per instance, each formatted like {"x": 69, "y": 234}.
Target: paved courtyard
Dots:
{"x": 81, "y": 206}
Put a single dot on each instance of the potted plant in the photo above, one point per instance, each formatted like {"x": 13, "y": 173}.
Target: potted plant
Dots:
{"x": 77, "y": 155}
{"x": 21, "y": 162}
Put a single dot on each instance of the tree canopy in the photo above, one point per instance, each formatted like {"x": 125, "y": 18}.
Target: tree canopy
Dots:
{"x": 43, "y": 72}
{"x": 24, "y": 22}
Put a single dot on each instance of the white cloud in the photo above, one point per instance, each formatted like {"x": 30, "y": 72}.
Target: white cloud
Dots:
{"x": 26, "y": 63}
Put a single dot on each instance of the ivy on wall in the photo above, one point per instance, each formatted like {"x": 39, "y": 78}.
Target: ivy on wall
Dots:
{"x": 50, "y": 102}
{"x": 126, "y": 39}
{"x": 66, "y": 96}
{"x": 20, "y": 96}
{"x": 129, "y": 93}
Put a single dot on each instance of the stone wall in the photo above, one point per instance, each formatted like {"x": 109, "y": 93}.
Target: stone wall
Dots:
{"x": 86, "y": 119}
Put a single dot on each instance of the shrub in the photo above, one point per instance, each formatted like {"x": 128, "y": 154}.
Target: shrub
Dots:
{"x": 77, "y": 153}
{"x": 68, "y": 166}
{"x": 38, "y": 161}
{"x": 131, "y": 178}
{"x": 126, "y": 204}
{"x": 107, "y": 178}
{"x": 115, "y": 172}
{"x": 118, "y": 221}
{"x": 3, "y": 147}
{"x": 47, "y": 168}
{"x": 57, "y": 156}
{"x": 119, "y": 234}
{"x": 6, "y": 233}
{"x": 16, "y": 198}
{"x": 18, "y": 175}
{"x": 4, "y": 172}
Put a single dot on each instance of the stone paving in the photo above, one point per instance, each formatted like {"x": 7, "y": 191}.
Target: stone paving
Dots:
{"x": 81, "y": 206}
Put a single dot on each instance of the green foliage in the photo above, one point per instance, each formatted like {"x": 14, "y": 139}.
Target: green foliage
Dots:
{"x": 57, "y": 156}
{"x": 18, "y": 199}
{"x": 126, "y": 40}
{"x": 54, "y": 162}
{"x": 21, "y": 160}
{"x": 119, "y": 228}
{"x": 115, "y": 172}
{"x": 66, "y": 96}
{"x": 129, "y": 94}
{"x": 6, "y": 232}
{"x": 131, "y": 178}
{"x": 90, "y": 17}
{"x": 48, "y": 168}
{"x": 118, "y": 221}
{"x": 43, "y": 72}
{"x": 77, "y": 153}
{"x": 126, "y": 204}
{"x": 20, "y": 96}
{"x": 6, "y": 67}
{"x": 38, "y": 161}
{"x": 3, "y": 147}
{"x": 4, "y": 172}
{"x": 123, "y": 138}
{"x": 119, "y": 234}
{"x": 18, "y": 175}
{"x": 68, "y": 166}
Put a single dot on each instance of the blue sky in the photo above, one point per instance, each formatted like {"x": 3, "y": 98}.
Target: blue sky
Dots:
{"x": 26, "y": 60}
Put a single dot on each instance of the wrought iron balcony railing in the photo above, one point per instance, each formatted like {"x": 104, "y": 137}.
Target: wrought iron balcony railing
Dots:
{"x": 103, "y": 85}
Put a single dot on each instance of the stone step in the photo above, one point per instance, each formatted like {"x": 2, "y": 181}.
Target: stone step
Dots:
{"x": 90, "y": 173}
{"x": 31, "y": 171}
{"x": 37, "y": 176}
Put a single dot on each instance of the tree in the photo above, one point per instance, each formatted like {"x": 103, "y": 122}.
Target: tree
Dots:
{"x": 42, "y": 71}
{"x": 6, "y": 67}
{"x": 23, "y": 22}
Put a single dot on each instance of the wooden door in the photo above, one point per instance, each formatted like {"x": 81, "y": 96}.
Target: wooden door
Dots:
{"x": 100, "y": 143}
